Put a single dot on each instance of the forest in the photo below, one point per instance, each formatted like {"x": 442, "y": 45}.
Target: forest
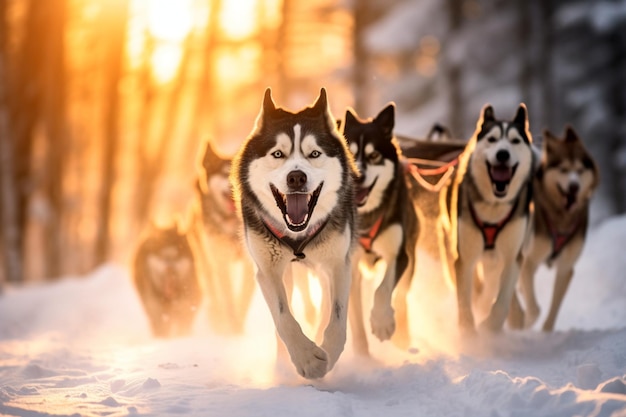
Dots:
{"x": 105, "y": 104}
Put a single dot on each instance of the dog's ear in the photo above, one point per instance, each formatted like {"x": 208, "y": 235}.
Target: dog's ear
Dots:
{"x": 268, "y": 102}
{"x": 570, "y": 134}
{"x": 321, "y": 104}
{"x": 386, "y": 118}
{"x": 209, "y": 155}
{"x": 486, "y": 116}
{"x": 521, "y": 116}
{"x": 350, "y": 118}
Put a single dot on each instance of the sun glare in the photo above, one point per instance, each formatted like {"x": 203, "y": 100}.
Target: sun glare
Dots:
{"x": 238, "y": 18}
{"x": 170, "y": 20}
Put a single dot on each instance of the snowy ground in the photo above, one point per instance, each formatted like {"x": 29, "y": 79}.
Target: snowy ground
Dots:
{"x": 81, "y": 347}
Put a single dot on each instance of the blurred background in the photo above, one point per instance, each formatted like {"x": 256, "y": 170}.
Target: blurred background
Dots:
{"x": 104, "y": 104}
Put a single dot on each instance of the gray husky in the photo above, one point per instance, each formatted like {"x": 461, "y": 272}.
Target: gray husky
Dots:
{"x": 488, "y": 205}
{"x": 293, "y": 185}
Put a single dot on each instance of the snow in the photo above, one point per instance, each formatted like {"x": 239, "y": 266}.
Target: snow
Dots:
{"x": 81, "y": 346}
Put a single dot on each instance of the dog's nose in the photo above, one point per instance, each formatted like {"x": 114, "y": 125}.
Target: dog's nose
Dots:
{"x": 296, "y": 179}
{"x": 502, "y": 156}
{"x": 574, "y": 187}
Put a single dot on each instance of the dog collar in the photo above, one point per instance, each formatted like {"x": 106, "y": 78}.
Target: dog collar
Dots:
{"x": 490, "y": 230}
{"x": 297, "y": 245}
{"x": 367, "y": 239}
{"x": 559, "y": 240}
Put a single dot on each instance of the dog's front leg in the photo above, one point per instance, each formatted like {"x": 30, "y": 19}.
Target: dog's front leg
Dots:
{"x": 382, "y": 318}
{"x": 339, "y": 279}
{"x": 310, "y": 360}
{"x": 355, "y": 308}
{"x": 500, "y": 308}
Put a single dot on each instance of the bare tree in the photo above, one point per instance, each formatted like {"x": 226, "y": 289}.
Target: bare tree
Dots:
{"x": 115, "y": 16}
{"x": 9, "y": 225}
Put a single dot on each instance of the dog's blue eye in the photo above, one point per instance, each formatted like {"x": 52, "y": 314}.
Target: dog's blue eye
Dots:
{"x": 315, "y": 154}
{"x": 277, "y": 154}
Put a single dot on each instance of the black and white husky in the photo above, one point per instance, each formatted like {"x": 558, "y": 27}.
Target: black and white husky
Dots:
{"x": 293, "y": 185}
{"x": 488, "y": 203}
{"x": 387, "y": 227}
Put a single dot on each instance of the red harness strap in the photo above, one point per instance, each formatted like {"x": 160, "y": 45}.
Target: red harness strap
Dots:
{"x": 490, "y": 230}
{"x": 367, "y": 239}
{"x": 559, "y": 240}
{"x": 297, "y": 245}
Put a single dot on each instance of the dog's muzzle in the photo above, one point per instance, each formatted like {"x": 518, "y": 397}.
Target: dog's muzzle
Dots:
{"x": 501, "y": 176}
{"x": 296, "y": 207}
{"x": 362, "y": 193}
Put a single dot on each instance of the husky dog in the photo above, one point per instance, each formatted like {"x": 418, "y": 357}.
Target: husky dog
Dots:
{"x": 439, "y": 133}
{"x": 165, "y": 279}
{"x": 293, "y": 185}
{"x": 226, "y": 269}
{"x": 488, "y": 203}
{"x": 563, "y": 186}
{"x": 387, "y": 226}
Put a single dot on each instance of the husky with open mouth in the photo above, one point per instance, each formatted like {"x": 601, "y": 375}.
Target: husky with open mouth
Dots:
{"x": 387, "y": 227}
{"x": 293, "y": 185}
{"x": 225, "y": 268}
{"x": 488, "y": 205}
{"x": 562, "y": 191}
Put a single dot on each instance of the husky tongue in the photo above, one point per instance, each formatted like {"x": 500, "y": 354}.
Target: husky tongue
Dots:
{"x": 361, "y": 195}
{"x": 500, "y": 173}
{"x": 297, "y": 207}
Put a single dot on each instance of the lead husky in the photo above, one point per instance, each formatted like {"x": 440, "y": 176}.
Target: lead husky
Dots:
{"x": 489, "y": 214}
{"x": 225, "y": 267}
{"x": 387, "y": 227}
{"x": 293, "y": 184}
{"x": 563, "y": 186}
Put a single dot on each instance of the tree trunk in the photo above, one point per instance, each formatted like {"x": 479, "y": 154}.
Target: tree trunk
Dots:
{"x": 9, "y": 225}
{"x": 115, "y": 17}
{"x": 55, "y": 118}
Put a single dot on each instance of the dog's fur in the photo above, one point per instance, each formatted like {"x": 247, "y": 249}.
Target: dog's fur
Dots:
{"x": 293, "y": 185}
{"x": 563, "y": 187}
{"x": 488, "y": 205}
{"x": 165, "y": 278}
{"x": 225, "y": 268}
{"x": 439, "y": 133}
{"x": 387, "y": 227}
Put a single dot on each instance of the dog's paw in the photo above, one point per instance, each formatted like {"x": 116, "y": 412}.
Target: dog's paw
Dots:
{"x": 310, "y": 361}
{"x": 530, "y": 317}
{"x": 383, "y": 323}
{"x": 490, "y": 325}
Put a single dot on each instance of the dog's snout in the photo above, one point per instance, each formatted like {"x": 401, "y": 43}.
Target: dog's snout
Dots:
{"x": 296, "y": 179}
{"x": 503, "y": 156}
{"x": 574, "y": 187}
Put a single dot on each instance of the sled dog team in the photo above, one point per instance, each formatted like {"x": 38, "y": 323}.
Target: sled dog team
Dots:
{"x": 308, "y": 192}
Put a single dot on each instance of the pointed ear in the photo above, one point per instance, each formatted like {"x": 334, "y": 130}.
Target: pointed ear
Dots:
{"x": 486, "y": 115}
{"x": 209, "y": 154}
{"x": 570, "y": 134}
{"x": 521, "y": 116}
{"x": 268, "y": 102}
{"x": 386, "y": 118}
{"x": 321, "y": 104}
{"x": 350, "y": 118}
